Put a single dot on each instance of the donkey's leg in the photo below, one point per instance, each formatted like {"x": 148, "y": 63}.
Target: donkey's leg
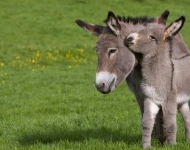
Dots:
{"x": 149, "y": 115}
{"x": 158, "y": 128}
{"x": 185, "y": 112}
{"x": 169, "y": 115}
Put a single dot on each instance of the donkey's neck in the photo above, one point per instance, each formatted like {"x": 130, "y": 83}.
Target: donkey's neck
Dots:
{"x": 157, "y": 69}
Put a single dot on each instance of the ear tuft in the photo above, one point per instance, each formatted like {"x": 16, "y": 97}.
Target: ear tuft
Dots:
{"x": 163, "y": 18}
{"x": 113, "y": 23}
{"x": 110, "y": 14}
{"x": 80, "y": 23}
{"x": 174, "y": 27}
{"x": 83, "y": 25}
{"x": 91, "y": 28}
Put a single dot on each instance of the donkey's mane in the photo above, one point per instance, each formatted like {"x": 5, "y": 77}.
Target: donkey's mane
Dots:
{"x": 136, "y": 20}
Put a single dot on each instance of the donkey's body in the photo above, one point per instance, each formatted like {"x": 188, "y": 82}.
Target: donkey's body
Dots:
{"x": 115, "y": 62}
{"x": 164, "y": 82}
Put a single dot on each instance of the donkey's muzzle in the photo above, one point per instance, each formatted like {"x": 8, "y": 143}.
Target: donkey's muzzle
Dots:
{"x": 102, "y": 88}
{"x": 105, "y": 88}
{"x": 129, "y": 41}
{"x": 105, "y": 82}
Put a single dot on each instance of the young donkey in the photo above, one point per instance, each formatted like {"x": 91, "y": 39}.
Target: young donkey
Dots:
{"x": 116, "y": 62}
{"x": 165, "y": 81}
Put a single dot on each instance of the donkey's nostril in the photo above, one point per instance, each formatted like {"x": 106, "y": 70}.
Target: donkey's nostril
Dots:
{"x": 129, "y": 39}
{"x": 101, "y": 86}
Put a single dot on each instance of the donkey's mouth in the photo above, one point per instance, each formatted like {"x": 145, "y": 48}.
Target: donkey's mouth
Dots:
{"x": 129, "y": 44}
{"x": 106, "y": 88}
{"x": 112, "y": 85}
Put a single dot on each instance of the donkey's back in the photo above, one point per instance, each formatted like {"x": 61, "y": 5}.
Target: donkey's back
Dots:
{"x": 182, "y": 78}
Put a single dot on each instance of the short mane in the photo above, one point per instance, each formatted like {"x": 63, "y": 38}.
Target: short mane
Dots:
{"x": 135, "y": 20}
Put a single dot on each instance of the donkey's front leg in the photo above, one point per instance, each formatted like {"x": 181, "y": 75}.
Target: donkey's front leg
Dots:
{"x": 185, "y": 112}
{"x": 158, "y": 128}
{"x": 149, "y": 115}
{"x": 169, "y": 108}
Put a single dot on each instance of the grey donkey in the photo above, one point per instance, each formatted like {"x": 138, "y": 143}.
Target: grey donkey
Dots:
{"x": 116, "y": 62}
{"x": 165, "y": 81}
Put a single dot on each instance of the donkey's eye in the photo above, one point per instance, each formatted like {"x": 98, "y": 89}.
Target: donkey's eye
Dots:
{"x": 111, "y": 51}
{"x": 152, "y": 38}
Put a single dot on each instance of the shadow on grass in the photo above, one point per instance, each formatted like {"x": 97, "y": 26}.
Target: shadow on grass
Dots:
{"x": 66, "y": 134}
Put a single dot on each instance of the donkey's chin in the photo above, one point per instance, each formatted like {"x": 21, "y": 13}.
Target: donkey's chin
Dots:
{"x": 106, "y": 91}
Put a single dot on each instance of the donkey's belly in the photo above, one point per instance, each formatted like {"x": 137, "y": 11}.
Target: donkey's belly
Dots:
{"x": 151, "y": 93}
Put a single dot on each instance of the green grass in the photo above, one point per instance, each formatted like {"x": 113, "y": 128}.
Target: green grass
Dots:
{"x": 47, "y": 71}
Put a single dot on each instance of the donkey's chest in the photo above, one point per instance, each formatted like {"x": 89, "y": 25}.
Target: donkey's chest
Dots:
{"x": 155, "y": 88}
{"x": 152, "y": 93}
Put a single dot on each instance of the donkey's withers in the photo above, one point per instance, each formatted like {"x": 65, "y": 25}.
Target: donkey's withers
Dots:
{"x": 163, "y": 83}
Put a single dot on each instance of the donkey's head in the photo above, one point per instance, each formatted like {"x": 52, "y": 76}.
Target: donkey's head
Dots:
{"x": 115, "y": 60}
{"x": 154, "y": 36}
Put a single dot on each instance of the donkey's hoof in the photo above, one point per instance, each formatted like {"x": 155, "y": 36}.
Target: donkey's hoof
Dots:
{"x": 146, "y": 146}
{"x": 163, "y": 140}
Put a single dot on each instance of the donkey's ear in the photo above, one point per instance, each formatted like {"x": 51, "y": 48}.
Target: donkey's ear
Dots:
{"x": 91, "y": 28}
{"x": 163, "y": 18}
{"x": 113, "y": 23}
{"x": 174, "y": 27}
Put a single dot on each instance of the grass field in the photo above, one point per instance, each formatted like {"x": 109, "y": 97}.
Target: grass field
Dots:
{"x": 47, "y": 70}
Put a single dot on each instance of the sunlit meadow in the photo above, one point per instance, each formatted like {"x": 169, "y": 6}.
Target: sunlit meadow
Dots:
{"x": 48, "y": 100}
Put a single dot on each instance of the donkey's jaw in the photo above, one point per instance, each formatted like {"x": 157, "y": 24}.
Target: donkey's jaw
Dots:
{"x": 105, "y": 82}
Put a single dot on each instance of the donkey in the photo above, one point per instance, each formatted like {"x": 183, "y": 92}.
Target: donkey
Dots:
{"x": 165, "y": 81}
{"x": 116, "y": 62}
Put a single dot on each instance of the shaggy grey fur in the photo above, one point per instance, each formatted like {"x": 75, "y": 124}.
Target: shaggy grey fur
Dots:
{"x": 120, "y": 63}
{"x": 164, "y": 82}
